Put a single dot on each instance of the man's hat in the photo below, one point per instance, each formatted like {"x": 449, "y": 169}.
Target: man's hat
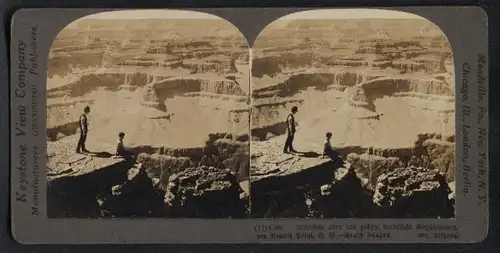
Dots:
{"x": 87, "y": 108}
{"x": 295, "y": 108}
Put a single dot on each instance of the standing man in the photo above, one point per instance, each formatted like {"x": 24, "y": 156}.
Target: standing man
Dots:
{"x": 83, "y": 131}
{"x": 290, "y": 122}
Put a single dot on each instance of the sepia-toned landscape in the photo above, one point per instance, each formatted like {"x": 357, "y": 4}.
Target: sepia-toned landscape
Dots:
{"x": 204, "y": 121}
{"x": 383, "y": 87}
{"x": 178, "y": 89}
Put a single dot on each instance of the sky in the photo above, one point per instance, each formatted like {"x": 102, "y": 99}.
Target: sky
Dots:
{"x": 349, "y": 14}
{"x": 151, "y": 14}
{"x": 312, "y": 14}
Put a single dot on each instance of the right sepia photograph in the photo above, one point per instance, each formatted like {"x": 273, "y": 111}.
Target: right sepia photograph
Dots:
{"x": 353, "y": 116}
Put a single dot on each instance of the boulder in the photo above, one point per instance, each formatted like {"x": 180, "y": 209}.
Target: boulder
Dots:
{"x": 163, "y": 166}
{"x": 234, "y": 155}
{"x": 245, "y": 198}
{"x": 452, "y": 186}
{"x": 136, "y": 197}
{"x": 421, "y": 138}
{"x": 413, "y": 192}
{"x": 204, "y": 192}
{"x": 452, "y": 195}
{"x": 441, "y": 157}
{"x": 372, "y": 166}
{"x": 418, "y": 161}
{"x": 449, "y": 137}
{"x": 345, "y": 197}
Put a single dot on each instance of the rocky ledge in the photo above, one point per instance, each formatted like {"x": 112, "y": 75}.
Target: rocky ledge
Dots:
{"x": 271, "y": 169}
{"x": 153, "y": 185}
{"x": 75, "y": 180}
{"x": 63, "y": 161}
{"x": 305, "y": 185}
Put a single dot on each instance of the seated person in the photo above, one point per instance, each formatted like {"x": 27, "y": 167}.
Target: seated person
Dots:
{"x": 328, "y": 149}
{"x": 121, "y": 151}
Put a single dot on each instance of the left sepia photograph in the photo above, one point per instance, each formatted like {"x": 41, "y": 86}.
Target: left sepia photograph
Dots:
{"x": 147, "y": 116}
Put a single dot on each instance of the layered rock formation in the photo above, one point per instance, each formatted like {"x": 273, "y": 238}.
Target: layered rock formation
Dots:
{"x": 178, "y": 86}
{"x": 362, "y": 113}
{"x": 362, "y": 80}
{"x": 137, "y": 68}
{"x": 380, "y": 44}
{"x": 159, "y": 43}
{"x": 217, "y": 152}
{"x": 430, "y": 151}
